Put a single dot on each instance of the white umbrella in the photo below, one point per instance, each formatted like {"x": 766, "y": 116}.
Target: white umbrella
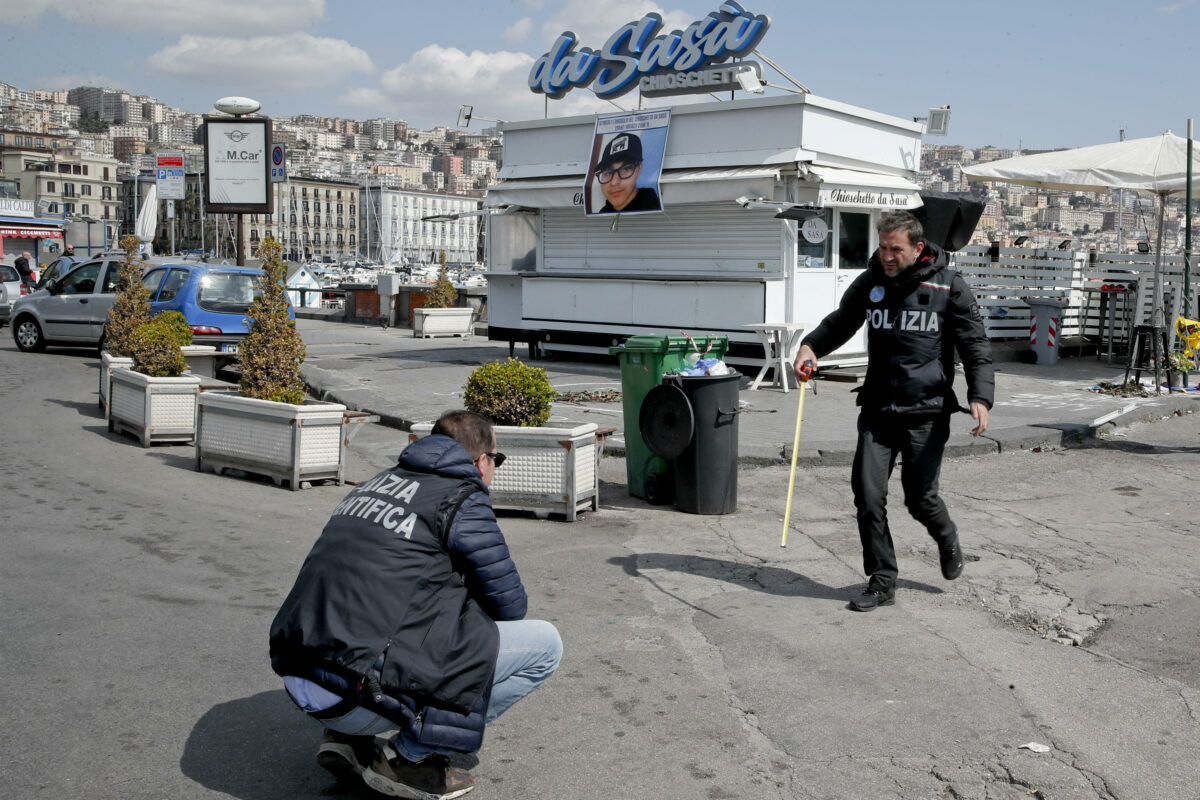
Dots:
{"x": 1155, "y": 164}
{"x": 147, "y": 218}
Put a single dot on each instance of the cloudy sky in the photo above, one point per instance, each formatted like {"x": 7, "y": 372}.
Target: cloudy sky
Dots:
{"x": 1016, "y": 73}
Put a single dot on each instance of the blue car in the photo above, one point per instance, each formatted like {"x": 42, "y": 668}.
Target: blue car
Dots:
{"x": 214, "y": 298}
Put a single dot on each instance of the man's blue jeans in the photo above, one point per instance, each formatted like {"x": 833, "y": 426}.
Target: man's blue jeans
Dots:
{"x": 530, "y": 650}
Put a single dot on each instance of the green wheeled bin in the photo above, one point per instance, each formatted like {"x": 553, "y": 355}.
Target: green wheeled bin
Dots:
{"x": 644, "y": 360}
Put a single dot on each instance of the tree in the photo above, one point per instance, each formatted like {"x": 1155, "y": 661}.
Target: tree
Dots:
{"x": 132, "y": 306}
{"x": 272, "y": 352}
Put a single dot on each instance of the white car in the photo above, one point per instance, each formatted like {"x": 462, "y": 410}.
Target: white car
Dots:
{"x": 11, "y": 288}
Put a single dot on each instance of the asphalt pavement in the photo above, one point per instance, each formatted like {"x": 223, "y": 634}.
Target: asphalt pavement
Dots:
{"x": 701, "y": 659}
{"x": 405, "y": 380}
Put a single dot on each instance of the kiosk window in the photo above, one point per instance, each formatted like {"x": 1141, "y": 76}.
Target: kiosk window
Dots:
{"x": 854, "y": 240}
{"x": 814, "y": 254}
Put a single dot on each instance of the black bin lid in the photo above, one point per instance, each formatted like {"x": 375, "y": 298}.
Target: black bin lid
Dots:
{"x": 666, "y": 421}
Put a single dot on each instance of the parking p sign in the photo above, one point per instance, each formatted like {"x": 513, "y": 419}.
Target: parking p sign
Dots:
{"x": 278, "y": 164}
{"x": 170, "y": 176}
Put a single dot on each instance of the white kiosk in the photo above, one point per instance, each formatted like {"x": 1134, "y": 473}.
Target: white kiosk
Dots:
{"x": 720, "y": 256}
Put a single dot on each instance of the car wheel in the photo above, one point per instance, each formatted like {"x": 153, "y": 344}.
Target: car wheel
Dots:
{"x": 100, "y": 344}
{"x": 28, "y": 335}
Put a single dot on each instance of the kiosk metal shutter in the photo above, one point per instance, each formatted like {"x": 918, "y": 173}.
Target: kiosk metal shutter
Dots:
{"x": 712, "y": 241}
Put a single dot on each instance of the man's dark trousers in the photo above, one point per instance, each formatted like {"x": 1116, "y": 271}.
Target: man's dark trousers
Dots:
{"x": 920, "y": 444}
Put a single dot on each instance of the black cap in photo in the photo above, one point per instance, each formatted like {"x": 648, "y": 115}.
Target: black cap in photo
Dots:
{"x": 625, "y": 148}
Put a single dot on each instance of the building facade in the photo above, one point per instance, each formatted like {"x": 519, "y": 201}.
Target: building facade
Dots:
{"x": 395, "y": 227}
{"x": 315, "y": 219}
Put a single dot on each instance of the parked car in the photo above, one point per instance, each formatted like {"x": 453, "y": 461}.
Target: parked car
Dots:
{"x": 69, "y": 311}
{"x": 11, "y": 287}
{"x": 55, "y": 270}
{"x": 214, "y": 298}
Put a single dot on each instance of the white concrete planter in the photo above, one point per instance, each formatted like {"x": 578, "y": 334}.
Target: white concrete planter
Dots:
{"x": 153, "y": 409}
{"x": 285, "y": 442}
{"x": 547, "y": 470}
{"x": 107, "y": 363}
{"x": 429, "y": 322}
{"x": 200, "y": 359}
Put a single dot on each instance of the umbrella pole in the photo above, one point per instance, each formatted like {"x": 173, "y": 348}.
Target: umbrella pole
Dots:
{"x": 1160, "y": 312}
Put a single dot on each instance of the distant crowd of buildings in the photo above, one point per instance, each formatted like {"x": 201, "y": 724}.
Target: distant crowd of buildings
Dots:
{"x": 361, "y": 188}
{"x": 356, "y": 188}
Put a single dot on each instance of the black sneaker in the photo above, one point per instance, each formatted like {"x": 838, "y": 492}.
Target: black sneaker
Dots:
{"x": 343, "y": 754}
{"x": 430, "y": 779}
{"x": 952, "y": 560}
{"x": 871, "y": 599}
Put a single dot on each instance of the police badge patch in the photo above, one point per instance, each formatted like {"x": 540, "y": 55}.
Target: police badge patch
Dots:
{"x": 876, "y": 294}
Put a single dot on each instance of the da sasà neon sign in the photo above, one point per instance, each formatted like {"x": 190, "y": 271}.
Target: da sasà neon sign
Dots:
{"x": 637, "y": 49}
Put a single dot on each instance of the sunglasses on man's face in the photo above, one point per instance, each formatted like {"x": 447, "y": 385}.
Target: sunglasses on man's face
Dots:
{"x": 497, "y": 458}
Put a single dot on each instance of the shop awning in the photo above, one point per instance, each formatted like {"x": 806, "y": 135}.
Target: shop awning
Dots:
{"x": 854, "y": 188}
{"x": 677, "y": 186}
{"x": 31, "y": 227}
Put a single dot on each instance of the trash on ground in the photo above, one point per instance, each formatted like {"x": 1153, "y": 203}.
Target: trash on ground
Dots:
{"x": 1035, "y": 747}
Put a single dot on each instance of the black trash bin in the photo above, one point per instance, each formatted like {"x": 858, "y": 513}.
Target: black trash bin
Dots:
{"x": 693, "y": 421}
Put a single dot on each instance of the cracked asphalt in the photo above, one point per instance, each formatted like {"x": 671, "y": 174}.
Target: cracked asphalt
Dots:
{"x": 701, "y": 659}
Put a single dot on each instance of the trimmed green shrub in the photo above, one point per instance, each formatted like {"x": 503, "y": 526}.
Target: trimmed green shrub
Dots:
{"x": 176, "y": 325}
{"x": 272, "y": 352}
{"x": 132, "y": 306}
{"x": 510, "y": 393}
{"x": 154, "y": 346}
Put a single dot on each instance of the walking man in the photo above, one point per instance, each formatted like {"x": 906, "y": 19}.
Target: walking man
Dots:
{"x": 919, "y": 313}
{"x": 408, "y": 615}
{"x": 23, "y": 268}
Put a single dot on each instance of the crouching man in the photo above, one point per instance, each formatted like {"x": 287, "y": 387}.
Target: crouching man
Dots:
{"x": 405, "y": 633}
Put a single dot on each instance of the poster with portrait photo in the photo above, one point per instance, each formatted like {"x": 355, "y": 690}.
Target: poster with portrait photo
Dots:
{"x": 626, "y": 163}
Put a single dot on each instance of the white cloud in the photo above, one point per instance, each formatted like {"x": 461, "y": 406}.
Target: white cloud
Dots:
{"x": 594, "y": 22}
{"x": 193, "y": 16}
{"x": 293, "y": 62}
{"x": 517, "y": 32}
{"x": 430, "y": 86}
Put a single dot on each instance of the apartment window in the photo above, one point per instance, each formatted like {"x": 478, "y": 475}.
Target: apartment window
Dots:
{"x": 76, "y": 169}
{"x": 49, "y": 186}
{"x": 106, "y": 193}
{"x": 39, "y": 142}
{"x": 53, "y": 209}
{"x": 64, "y": 168}
{"x": 84, "y": 209}
{"x": 106, "y": 173}
{"x": 85, "y": 169}
{"x": 68, "y": 190}
{"x": 69, "y": 208}
{"x": 86, "y": 189}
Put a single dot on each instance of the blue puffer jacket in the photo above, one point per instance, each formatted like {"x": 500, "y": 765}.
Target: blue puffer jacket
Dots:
{"x": 394, "y": 608}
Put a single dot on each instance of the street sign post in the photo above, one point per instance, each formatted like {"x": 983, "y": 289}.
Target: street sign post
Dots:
{"x": 278, "y": 163}
{"x": 171, "y": 184}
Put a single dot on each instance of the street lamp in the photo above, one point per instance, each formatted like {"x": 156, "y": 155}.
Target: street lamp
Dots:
{"x": 467, "y": 113}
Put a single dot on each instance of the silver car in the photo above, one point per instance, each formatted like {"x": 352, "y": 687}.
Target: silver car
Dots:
{"x": 69, "y": 311}
{"x": 10, "y": 290}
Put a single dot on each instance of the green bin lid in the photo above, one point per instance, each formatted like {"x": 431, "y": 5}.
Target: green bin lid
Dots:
{"x": 664, "y": 344}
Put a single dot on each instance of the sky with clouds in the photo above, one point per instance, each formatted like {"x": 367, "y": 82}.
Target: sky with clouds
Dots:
{"x": 1020, "y": 73}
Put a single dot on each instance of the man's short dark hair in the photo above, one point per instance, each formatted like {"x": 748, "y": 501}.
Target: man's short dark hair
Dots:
{"x": 473, "y": 431}
{"x": 902, "y": 221}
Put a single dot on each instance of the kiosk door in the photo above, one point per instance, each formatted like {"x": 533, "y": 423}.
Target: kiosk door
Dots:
{"x": 831, "y": 253}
